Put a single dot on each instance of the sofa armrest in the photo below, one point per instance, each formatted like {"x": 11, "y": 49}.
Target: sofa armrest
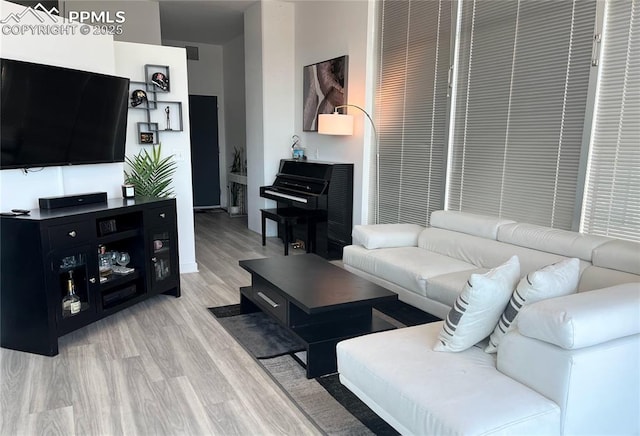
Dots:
{"x": 584, "y": 319}
{"x": 602, "y": 380}
{"x": 386, "y": 235}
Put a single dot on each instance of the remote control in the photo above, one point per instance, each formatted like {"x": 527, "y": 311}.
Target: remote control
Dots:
{"x": 21, "y": 211}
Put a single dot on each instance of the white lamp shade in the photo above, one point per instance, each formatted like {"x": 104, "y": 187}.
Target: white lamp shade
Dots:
{"x": 335, "y": 124}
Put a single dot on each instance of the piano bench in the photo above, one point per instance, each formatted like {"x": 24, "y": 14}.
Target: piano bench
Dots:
{"x": 288, "y": 217}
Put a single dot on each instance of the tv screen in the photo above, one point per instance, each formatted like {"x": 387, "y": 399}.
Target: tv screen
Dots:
{"x": 60, "y": 116}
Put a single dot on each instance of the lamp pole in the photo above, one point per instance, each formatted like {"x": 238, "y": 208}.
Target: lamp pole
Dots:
{"x": 377, "y": 150}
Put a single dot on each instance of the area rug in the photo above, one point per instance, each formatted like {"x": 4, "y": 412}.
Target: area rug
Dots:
{"x": 329, "y": 405}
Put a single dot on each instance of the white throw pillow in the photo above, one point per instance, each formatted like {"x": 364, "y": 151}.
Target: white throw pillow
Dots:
{"x": 478, "y": 307}
{"x": 551, "y": 281}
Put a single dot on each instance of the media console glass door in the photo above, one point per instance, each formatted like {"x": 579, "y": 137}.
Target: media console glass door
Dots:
{"x": 79, "y": 265}
{"x": 163, "y": 241}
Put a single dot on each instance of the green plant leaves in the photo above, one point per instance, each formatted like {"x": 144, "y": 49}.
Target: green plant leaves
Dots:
{"x": 150, "y": 174}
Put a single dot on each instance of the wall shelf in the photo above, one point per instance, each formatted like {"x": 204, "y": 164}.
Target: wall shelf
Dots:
{"x": 172, "y": 123}
{"x": 160, "y": 115}
{"x": 154, "y": 85}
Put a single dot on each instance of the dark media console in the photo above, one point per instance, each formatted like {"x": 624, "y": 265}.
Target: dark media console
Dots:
{"x": 43, "y": 250}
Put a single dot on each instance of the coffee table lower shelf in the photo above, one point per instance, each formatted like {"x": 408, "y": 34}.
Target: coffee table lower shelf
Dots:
{"x": 320, "y": 332}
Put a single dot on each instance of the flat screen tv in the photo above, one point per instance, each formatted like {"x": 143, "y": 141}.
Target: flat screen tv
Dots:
{"x": 60, "y": 116}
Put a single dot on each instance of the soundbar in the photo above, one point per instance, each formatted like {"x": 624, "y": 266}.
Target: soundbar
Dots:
{"x": 72, "y": 200}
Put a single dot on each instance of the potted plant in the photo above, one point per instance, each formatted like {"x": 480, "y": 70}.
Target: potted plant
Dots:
{"x": 235, "y": 198}
{"x": 236, "y": 163}
{"x": 150, "y": 174}
{"x": 235, "y": 189}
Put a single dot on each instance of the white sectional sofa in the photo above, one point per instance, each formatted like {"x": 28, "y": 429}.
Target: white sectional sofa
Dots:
{"x": 572, "y": 365}
{"x": 427, "y": 267}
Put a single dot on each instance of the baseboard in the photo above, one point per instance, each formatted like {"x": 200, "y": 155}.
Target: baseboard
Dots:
{"x": 190, "y": 267}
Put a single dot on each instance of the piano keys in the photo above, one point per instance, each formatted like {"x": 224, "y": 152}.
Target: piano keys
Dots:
{"x": 324, "y": 187}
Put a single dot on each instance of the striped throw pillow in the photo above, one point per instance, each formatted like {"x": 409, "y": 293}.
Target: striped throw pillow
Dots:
{"x": 478, "y": 307}
{"x": 551, "y": 281}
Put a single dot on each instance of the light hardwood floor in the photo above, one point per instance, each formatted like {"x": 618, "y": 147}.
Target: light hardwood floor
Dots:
{"x": 162, "y": 367}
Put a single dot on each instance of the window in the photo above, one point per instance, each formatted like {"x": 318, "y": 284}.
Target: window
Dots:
{"x": 612, "y": 192}
{"x": 521, "y": 93}
{"x": 411, "y": 108}
{"x": 518, "y": 123}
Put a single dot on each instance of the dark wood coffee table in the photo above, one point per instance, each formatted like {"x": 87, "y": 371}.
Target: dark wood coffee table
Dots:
{"x": 319, "y": 302}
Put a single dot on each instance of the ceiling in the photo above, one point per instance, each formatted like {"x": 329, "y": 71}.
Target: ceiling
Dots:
{"x": 205, "y": 21}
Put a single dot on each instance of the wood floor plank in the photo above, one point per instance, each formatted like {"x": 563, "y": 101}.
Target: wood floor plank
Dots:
{"x": 50, "y": 385}
{"x": 95, "y": 395}
{"x": 15, "y": 377}
{"x": 164, "y": 366}
{"x": 50, "y": 422}
{"x": 185, "y": 414}
{"x": 141, "y": 411}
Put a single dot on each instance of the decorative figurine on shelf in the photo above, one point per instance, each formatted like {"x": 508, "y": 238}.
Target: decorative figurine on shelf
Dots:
{"x": 161, "y": 81}
{"x": 146, "y": 137}
{"x": 167, "y": 110}
{"x": 297, "y": 151}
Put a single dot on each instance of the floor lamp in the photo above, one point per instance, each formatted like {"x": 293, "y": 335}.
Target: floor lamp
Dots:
{"x": 342, "y": 124}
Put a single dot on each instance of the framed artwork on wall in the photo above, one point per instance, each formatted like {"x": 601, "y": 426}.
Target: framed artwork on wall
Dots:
{"x": 324, "y": 88}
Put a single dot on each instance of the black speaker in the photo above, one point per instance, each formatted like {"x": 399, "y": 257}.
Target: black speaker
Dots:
{"x": 72, "y": 200}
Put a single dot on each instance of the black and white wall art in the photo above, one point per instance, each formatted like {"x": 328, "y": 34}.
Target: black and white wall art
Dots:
{"x": 324, "y": 88}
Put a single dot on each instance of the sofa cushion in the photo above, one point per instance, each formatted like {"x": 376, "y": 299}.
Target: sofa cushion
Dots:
{"x": 409, "y": 267}
{"x": 470, "y": 223}
{"x": 420, "y": 391}
{"x": 557, "y": 241}
{"x": 386, "y": 235}
{"x": 595, "y": 277}
{"x": 445, "y": 288}
{"x": 551, "y": 281}
{"x": 584, "y": 319}
{"x": 619, "y": 255}
{"x": 484, "y": 253}
{"x": 477, "y": 309}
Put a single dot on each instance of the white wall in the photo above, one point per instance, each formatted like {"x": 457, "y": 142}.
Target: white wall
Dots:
{"x": 270, "y": 79}
{"x": 274, "y": 63}
{"x": 130, "y": 59}
{"x": 84, "y": 52}
{"x": 142, "y": 17}
{"x": 234, "y": 97}
{"x": 99, "y": 54}
{"x": 325, "y": 30}
{"x": 206, "y": 77}
{"x": 254, "y": 110}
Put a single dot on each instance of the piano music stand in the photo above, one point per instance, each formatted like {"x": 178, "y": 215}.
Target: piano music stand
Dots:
{"x": 288, "y": 217}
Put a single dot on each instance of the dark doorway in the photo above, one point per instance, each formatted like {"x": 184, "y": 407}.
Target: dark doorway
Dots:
{"x": 205, "y": 157}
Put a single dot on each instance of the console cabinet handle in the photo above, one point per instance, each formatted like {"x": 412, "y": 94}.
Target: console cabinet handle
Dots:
{"x": 92, "y": 280}
{"x": 72, "y": 233}
{"x": 162, "y": 215}
{"x": 268, "y": 300}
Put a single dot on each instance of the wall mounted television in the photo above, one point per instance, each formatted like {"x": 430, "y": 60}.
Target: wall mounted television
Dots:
{"x": 59, "y": 116}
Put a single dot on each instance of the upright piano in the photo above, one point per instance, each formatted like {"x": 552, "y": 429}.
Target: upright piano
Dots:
{"x": 326, "y": 188}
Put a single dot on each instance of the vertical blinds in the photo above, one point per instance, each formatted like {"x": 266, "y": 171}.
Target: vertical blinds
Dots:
{"x": 411, "y": 108}
{"x": 521, "y": 93}
{"x": 612, "y": 195}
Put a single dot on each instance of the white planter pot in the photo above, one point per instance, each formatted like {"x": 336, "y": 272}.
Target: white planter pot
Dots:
{"x": 234, "y": 210}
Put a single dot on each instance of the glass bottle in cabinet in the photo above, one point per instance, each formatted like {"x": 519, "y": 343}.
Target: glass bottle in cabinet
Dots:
{"x": 75, "y": 273}
{"x": 71, "y": 302}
